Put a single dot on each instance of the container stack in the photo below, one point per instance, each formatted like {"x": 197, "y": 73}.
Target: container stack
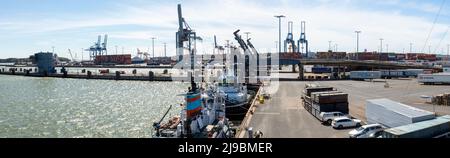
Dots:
{"x": 317, "y": 99}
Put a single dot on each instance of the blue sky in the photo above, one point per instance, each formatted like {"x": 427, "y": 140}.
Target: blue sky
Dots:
{"x": 29, "y": 26}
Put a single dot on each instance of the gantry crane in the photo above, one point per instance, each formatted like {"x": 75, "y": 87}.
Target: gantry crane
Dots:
{"x": 98, "y": 48}
{"x": 289, "y": 43}
{"x": 303, "y": 42}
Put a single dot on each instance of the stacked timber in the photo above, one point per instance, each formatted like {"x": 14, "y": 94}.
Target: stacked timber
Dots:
{"x": 317, "y": 99}
{"x": 443, "y": 99}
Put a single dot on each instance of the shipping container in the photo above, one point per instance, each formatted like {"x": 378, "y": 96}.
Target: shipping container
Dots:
{"x": 320, "y": 70}
{"x": 413, "y": 72}
{"x": 393, "y": 114}
{"x": 331, "y": 55}
{"x": 113, "y": 59}
{"x": 401, "y": 56}
{"x": 425, "y": 129}
{"x": 427, "y": 57}
{"x": 361, "y": 75}
{"x": 441, "y": 78}
{"x": 392, "y": 73}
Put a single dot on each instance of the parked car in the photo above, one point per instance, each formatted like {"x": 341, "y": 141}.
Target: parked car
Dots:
{"x": 378, "y": 134}
{"x": 366, "y": 131}
{"x": 345, "y": 122}
{"x": 327, "y": 117}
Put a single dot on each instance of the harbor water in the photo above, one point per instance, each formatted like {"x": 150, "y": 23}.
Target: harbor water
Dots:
{"x": 68, "y": 108}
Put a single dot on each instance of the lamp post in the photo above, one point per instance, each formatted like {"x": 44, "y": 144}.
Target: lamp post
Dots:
{"x": 153, "y": 46}
{"x": 279, "y": 31}
{"x": 410, "y": 47}
{"x": 165, "y": 50}
{"x": 357, "y": 40}
{"x": 329, "y": 46}
{"x": 381, "y": 45}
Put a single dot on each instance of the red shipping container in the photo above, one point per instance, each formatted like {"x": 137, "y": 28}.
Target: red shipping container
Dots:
{"x": 113, "y": 59}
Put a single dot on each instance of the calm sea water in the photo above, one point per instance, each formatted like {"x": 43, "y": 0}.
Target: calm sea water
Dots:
{"x": 60, "y": 108}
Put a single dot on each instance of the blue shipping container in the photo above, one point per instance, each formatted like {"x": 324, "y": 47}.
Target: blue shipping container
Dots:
{"x": 321, "y": 70}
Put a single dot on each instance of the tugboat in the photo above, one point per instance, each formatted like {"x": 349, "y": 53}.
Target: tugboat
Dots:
{"x": 237, "y": 97}
{"x": 202, "y": 117}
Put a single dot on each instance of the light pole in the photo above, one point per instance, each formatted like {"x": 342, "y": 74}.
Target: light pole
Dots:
{"x": 381, "y": 45}
{"x": 357, "y": 40}
{"x": 247, "y": 33}
{"x": 410, "y": 47}
{"x": 329, "y": 46}
{"x": 165, "y": 50}
{"x": 153, "y": 46}
{"x": 279, "y": 31}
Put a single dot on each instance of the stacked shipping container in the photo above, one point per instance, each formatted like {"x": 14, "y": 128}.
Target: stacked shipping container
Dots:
{"x": 113, "y": 59}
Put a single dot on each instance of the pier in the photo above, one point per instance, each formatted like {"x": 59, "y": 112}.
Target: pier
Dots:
{"x": 283, "y": 115}
{"x": 100, "y": 76}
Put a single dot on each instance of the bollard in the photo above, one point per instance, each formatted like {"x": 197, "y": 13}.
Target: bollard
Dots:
{"x": 117, "y": 75}
{"x": 35, "y": 69}
{"x": 65, "y": 74}
{"x": 165, "y": 71}
{"x": 27, "y": 72}
{"x": 83, "y": 71}
{"x": 151, "y": 75}
{"x": 250, "y": 132}
{"x": 89, "y": 74}
{"x": 63, "y": 69}
{"x": 13, "y": 71}
{"x": 45, "y": 73}
{"x": 20, "y": 70}
{"x": 134, "y": 72}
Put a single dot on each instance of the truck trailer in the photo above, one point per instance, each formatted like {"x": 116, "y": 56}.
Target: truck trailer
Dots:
{"x": 439, "y": 78}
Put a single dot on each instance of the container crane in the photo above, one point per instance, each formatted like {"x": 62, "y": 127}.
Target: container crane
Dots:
{"x": 98, "y": 48}
{"x": 303, "y": 42}
{"x": 289, "y": 43}
{"x": 185, "y": 34}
